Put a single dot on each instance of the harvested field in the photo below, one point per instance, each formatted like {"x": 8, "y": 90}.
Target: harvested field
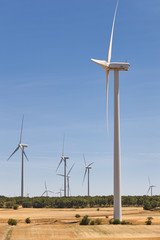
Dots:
{"x": 60, "y": 224}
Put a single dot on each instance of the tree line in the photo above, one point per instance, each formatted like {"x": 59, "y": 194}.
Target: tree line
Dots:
{"x": 146, "y": 202}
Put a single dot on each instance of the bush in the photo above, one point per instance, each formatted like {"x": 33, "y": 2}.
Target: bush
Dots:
{"x": 125, "y": 223}
{"x": 77, "y": 216}
{"x": 98, "y": 209}
{"x": 9, "y": 204}
{"x": 114, "y": 221}
{"x": 149, "y": 222}
{"x": 12, "y": 222}
{"x": 28, "y": 220}
{"x": 107, "y": 217}
{"x": 98, "y": 221}
{"x": 85, "y": 220}
{"x": 92, "y": 222}
{"x": 15, "y": 206}
{"x": 26, "y": 204}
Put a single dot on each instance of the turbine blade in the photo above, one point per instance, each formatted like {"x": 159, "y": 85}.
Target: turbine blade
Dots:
{"x": 24, "y": 153}
{"x": 60, "y": 175}
{"x": 63, "y": 145}
{"x": 84, "y": 175}
{"x": 84, "y": 160}
{"x": 50, "y": 191}
{"x": 45, "y": 185}
{"x": 107, "y": 82}
{"x": 149, "y": 181}
{"x": 110, "y": 45}
{"x": 148, "y": 190}
{"x": 59, "y": 164}
{"x": 21, "y": 130}
{"x": 90, "y": 164}
{"x": 43, "y": 193}
{"x": 71, "y": 169}
{"x": 13, "y": 152}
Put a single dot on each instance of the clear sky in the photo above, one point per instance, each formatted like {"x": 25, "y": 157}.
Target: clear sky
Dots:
{"x": 46, "y": 74}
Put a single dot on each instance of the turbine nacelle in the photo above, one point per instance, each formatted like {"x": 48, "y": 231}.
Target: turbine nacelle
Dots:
{"x": 23, "y": 145}
{"x": 112, "y": 66}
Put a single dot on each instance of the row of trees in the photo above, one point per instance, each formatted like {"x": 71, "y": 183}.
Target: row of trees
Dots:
{"x": 79, "y": 202}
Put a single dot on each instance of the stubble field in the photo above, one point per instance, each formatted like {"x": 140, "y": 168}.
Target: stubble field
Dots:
{"x": 61, "y": 224}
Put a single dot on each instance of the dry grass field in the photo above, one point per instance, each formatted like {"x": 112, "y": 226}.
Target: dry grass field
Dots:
{"x": 61, "y": 224}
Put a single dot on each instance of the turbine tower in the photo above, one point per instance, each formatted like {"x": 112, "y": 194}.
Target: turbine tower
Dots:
{"x": 46, "y": 190}
{"x": 150, "y": 187}
{"x": 68, "y": 177}
{"x": 63, "y": 158}
{"x": 87, "y": 169}
{"x": 21, "y": 146}
{"x": 116, "y": 67}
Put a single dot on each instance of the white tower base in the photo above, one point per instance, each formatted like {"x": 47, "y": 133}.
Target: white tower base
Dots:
{"x": 117, "y": 165}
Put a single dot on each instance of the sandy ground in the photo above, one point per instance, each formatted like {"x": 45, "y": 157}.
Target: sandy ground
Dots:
{"x": 60, "y": 224}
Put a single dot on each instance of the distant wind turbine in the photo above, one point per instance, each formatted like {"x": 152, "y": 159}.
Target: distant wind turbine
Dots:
{"x": 68, "y": 177}
{"x": 21, "y": 146}
{"x": 116, "y": 67}
{"x": 87, "y": 169}
{"x": 60, "y": 192}
{"x": 63, "y": 158}
{"x": 46, "y": 190}
{"x": 150, "y": 186}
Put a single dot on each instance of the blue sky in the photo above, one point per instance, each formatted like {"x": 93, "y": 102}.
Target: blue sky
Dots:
{"x": 46, "y": 74}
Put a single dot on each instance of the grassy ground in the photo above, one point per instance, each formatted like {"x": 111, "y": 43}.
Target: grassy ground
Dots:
{"x": 60, "y": 224}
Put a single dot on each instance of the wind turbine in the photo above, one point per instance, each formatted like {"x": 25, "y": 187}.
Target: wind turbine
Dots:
{"x": 116, "y": 67}
{"x": 68, "y": 177}
{"x": 21, "y": 146}
{"x": 63, "y": 158}
{"x": 87, "y": 169}
{"x": 46, "y": 190}
{"x": 60, "y": 192}
{"x": 150, "y": 186}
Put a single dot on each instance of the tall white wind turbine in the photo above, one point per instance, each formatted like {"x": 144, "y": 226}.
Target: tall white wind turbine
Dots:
{"x": 87, "y": 170}
{"x": 64, "y": 158}
{"x": 150, "y": 187}
{"x": 21, "y": 146}
{"x": 116, "y": 67}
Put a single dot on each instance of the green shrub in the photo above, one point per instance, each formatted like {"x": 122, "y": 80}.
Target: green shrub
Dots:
{"x": 26, "y": 204}
{"x": 15, "y": 206}
{"x": 28, "y": 220}
{"x": 111, "y": 221}
{"x": 149, "y": 222}
{"x": 98, "y": 221}
{"x": 9, "y": 204}
{"x": 98, "y": 209}
{"x": 107, "y": 217}
{"x": 85, "y": 220}
{"x": 125, "y": 223}
{"x": 92, "y": 222}
{"x": 114, "y": 221}
{"x": 12, "y": 222}
{"x": 77, "y": 216}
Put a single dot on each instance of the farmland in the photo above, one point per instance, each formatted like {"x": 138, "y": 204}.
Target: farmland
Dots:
{"x": 49, "y": 223}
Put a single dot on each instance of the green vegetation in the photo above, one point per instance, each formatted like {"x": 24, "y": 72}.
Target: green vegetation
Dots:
{"x": 28, "y": 220}
{"x": 117, "y": 221}
{"x": 12, "y": 222}
{"x": 15, "y": 206}
{"x": 77, "y": 216}
{"x": 149, "y": 222}
{"x": 147, "y": 202}
{"x": 92, "y": 222}
{"x": 85, "y": 220}
{"x": 98, "y": 221}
